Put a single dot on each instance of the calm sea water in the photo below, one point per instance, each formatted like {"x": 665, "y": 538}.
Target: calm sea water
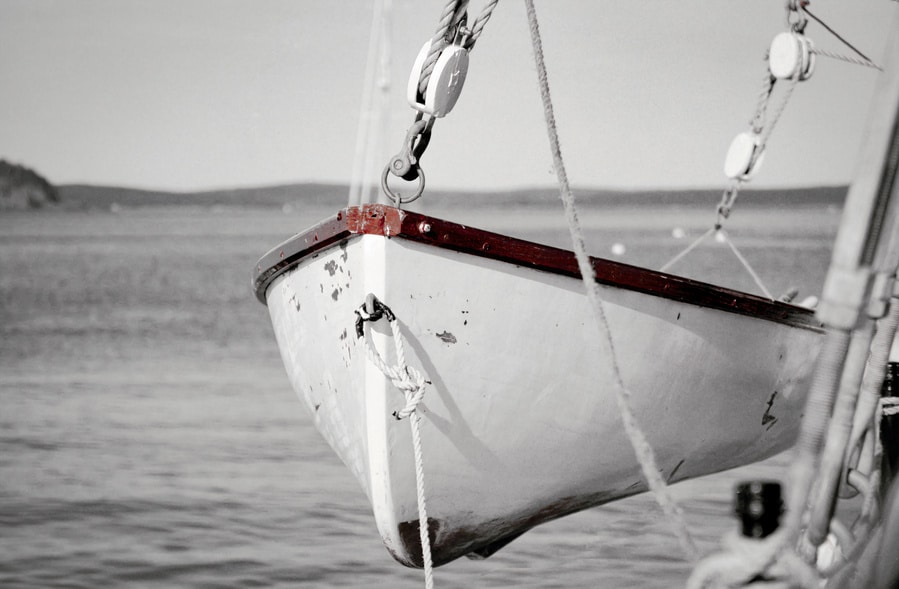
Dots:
{"x": 149, "y": 436}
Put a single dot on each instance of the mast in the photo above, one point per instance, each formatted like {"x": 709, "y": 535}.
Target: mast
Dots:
{"x": 859, "y": 289}
{"x": 869, "y": 216}
{"x": 373, "y": 111}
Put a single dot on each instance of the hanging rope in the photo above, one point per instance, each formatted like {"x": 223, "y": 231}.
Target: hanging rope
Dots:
{"x": 477, "y": 26}
{"x": 745, "y": 262}
{"x": 865, "y": 61}
{"x": 722, "y": 235}
{"x": 452, "y": 19}
{"x": 847, "y": 59}
{"x": 687, "y": 250}
{"x": 763, "y": 126}
{"x": 452, "y": 14}
{"x": 412, "y": 384}
{"x": 765, "y": 554}
{"x": 758, "y": 118}
{"x": 774, "y": 558}
{"x": 781, "y": 107}
{"x": 822, "y": 500}
{"x": 642, "y": 449}
{"x": 889, "y": 406}
{"x": 762, "y": 561}
{"x": 869, "y": 409}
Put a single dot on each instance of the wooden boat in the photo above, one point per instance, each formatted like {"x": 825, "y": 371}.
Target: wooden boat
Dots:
{"x": 519, "y": 422}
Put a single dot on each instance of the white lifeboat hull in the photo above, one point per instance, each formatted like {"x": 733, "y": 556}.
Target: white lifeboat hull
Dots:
{"x": 519, "y": 422}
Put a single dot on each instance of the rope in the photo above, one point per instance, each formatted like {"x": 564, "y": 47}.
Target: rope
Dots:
{"x": 758, "y": 281}
{"x": 744, "y": 561}
{"x": 778, "y": 551}
{"x": 686, "y": 251}
{"x": 449, "y": 18}
{"x": 642, "y": 449}
{"x": 453, "y": 16}
{"x": 733, "y": 247}
{"x": 863, "y": 529}
{"x": 822, "y": 501}
{"x": 761, "y": 556}
{"x": 890, "y": 406}
{"x": 758, "y": 119}
{"x": 818, "y": 407}
{"x": 868, "y": 413}
{"x": 780, "y": 110}
{"x": 478, "y": 26}
{"x": 423, "y": 532}
{"x": 412, "y": 383}
{"x": 866, "y": 62}
{"x": 761, "y": 127}
{"x": 848, "y": 59}
{"x": 764, "y": 128}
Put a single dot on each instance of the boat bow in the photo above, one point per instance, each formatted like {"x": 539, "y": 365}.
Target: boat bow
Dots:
{"x": 519, "y": 421}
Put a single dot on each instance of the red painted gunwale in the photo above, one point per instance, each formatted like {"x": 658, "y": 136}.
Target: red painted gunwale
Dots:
{"x": 390, "y": 222}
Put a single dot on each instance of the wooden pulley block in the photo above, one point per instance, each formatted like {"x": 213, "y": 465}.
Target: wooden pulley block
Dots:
{"x": 445, "y": 83}
{"x": 744, "y": 156}
{"x": 789, "y": 54}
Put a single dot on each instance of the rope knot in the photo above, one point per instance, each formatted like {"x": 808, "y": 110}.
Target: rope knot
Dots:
{"x": 412, "y": 384}
{"x": 413, "y": 387}
{"x": 404, "y": 377}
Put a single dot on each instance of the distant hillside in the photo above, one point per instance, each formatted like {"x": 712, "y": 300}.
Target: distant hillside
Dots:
{"x": 23, "y": 188}
{"x": 83, "y": 196}
{"x": 816, "y": 196}
{"x": 78, "y": 196}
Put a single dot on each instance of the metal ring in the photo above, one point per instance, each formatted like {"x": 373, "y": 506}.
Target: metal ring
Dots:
{"x": 796, "y": 21}
{"x": 396, "y": 198}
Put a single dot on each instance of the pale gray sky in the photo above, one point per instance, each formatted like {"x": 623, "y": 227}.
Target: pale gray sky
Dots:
{"x": 194, "y": 94}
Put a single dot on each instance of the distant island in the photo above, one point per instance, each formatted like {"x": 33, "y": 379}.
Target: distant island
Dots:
{"x": 23, "y": 188}
{"x": 86, "y": 197}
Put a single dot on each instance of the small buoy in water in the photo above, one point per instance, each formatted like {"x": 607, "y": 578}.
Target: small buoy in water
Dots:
{"x": 678, "y": 233}
{"x": 618, "y": 249}
{"x": 809, "y": 302}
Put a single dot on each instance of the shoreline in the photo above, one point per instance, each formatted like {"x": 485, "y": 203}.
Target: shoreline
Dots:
{"x": 86, "y": 197}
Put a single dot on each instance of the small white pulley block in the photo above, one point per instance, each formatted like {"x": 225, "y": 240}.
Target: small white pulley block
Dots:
{"x": 744, "y": 156}
{"x": 789, "y": 54}
{"x": 445, "y": 83}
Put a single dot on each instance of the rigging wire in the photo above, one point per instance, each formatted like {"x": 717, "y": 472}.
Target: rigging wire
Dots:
{"x": 453, "y": 12}
{"x": 804, "y": 7}
{"x": 452, "y": 19}
{"x": 371, "y": 132}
